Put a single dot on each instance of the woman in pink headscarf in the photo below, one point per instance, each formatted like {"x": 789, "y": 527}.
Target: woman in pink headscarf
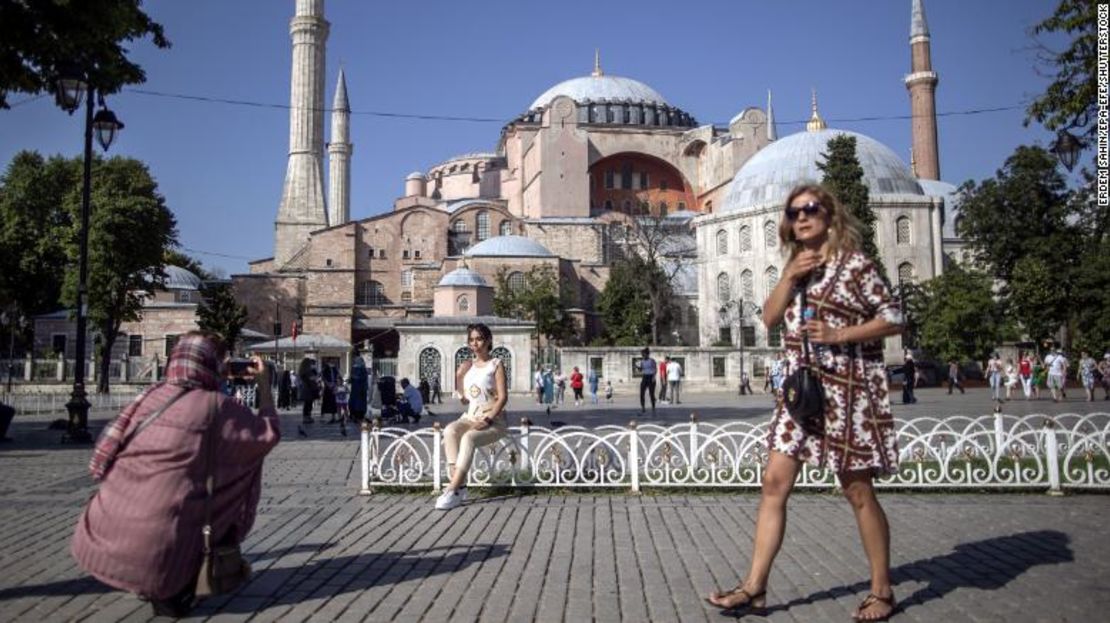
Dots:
{"x": 141, "y": 532}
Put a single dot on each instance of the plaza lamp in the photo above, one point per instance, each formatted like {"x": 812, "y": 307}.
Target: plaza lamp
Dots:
{"x": 71, "y": 88}
{"x": 1067, "y": 148}
{"x": 726, "y": 317}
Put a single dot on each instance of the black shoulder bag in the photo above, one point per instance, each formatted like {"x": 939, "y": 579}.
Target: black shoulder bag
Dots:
{"x": 803, "y": 393}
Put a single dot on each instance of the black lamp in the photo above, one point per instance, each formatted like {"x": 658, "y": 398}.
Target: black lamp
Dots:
{"x": 1067, "y": 148}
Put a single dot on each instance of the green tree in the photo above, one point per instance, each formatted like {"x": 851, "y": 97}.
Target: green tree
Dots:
{"x": 130, "y": 229}
{"x": 40, "y": 37}
{"x": 1070, "y": 101}
{"x": 843, "y": 177}
{"x": 960, "y": 318}
{"x": 220, "y": 313}
{"x": 173, "y": 257}
{"x": 541, "y": 300}
{"x": 33, "y": 227}
{"x": 625, "y": 302}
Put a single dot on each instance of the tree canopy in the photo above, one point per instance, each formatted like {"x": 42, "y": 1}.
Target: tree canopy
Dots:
{"x": 38, "y": 38}
{"x": 960, "y": 318}
{"x": 843, "y": 177}
{"x": 1070, "y": 102}
{"x": 220, "y": 313}
{"x": 625, "y": 303}
{"x": 541, "y": 299}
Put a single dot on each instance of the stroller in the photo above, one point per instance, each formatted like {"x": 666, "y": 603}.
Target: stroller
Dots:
{"x": 391, "y": 402}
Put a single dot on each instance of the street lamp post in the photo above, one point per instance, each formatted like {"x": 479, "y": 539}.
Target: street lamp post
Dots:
{"x": 1067, "y": 148}
{"x": 70, "y": 90}
{"x": 738, "y": 305}
{"x": 13, "y": 320}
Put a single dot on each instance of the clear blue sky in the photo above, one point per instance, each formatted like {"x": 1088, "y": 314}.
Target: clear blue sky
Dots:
{"x": 221, "y": 166}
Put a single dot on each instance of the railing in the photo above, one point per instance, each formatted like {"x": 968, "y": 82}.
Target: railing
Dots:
{"x": 55, "y": 402}
{"x": 1059, "y": 452}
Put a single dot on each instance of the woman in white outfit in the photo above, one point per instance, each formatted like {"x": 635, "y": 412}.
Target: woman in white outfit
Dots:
{"x": 482, "y": 385}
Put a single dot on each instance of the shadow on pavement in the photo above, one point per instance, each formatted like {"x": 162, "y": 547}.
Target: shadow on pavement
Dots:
{"x": 989, "y": 564}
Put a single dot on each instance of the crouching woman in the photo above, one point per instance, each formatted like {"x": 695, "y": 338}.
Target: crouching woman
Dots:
{"x": 142, "y": 530}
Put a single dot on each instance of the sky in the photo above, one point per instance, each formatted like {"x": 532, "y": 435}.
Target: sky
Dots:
{"x": 221, "y": 166}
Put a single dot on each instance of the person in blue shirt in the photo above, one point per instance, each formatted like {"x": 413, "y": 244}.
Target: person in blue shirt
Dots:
{"x": 413, "y": 404}
{"x": 591, "y": 379}
{"x": 648, "y": 369}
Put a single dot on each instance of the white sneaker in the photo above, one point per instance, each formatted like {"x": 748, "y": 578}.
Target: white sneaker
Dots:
{"x": 450, "y": 499}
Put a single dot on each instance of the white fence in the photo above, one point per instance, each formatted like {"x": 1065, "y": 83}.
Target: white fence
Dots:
{"x": 55, "y": 402}
{"x": 998, "y": 451}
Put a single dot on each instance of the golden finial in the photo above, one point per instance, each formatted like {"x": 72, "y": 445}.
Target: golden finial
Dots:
{"x": 597, "y": 63}
{"x": 913, "y": 163}
{"x": 815, "y": 123}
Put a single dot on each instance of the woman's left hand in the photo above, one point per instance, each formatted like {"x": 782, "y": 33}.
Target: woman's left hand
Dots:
{"x": 820, "y": 332}
{"x": 481, "y": 424}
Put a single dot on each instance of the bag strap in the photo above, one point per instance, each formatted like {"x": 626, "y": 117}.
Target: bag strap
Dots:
{"x": 804, "y": 294}
{"x": 150, "y": 419}
{"x": 209, "y": 472}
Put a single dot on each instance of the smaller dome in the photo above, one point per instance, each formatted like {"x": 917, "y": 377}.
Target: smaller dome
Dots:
{"x": 463, "y": 277}
{"x": 178, "y": 278}
{"x": 601, "y": 87}
{"x": 415, "y": 175}
{"x": 508, "y": 246}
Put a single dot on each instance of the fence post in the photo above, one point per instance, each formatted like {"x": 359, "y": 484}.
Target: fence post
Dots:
{"x": 437, "y": 443}
{"x": 634, "y": 455}
{"x": 693, "y": 443}
{"x": 364, "y": 448}
{"x": 1052, "y": 457}
{"x": 998, "y": 432}
{"x": 28, "y": 368}
{"x": 525, "y": 444}
{"x": 60, "y": 371}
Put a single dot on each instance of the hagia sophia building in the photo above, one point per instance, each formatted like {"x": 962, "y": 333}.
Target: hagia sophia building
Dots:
{"x": 563, "y": 187}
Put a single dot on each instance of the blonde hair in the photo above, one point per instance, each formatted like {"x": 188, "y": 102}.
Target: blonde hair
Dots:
{"x": 844, "y": 236}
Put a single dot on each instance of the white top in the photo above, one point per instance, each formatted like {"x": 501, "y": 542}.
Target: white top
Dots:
{"x": 674, "y": 371}
{"x": 1057, "y": 364}
{"x": 479, "y": 386}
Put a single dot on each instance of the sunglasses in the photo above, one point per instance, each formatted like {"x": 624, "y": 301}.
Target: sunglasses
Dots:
{"x": 811, "y": 209}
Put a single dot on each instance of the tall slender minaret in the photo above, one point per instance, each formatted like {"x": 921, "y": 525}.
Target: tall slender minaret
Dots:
{"x": 922, "y": 85}
{"x": 772, "y": 132}
{"x": 302, "y": 200}
{"x": 339, "y": 156}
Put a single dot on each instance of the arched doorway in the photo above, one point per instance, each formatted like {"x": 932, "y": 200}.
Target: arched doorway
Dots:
{"x": 461, "y": 355}
{"x": 506, "y": 358}
{"x": 430, "y": 364}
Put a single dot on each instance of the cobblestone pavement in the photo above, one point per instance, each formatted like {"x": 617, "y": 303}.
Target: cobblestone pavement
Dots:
{"x": 322, "y": 553}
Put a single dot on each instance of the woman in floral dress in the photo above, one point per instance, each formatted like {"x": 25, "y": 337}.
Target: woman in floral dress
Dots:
{"x": 850, "y": 309}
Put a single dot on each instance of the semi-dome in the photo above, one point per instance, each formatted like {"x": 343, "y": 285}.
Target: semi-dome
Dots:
{"x": 773, "y": 171}
{"x": 603, "y": 87}
{"x": 951, "y": 196}
{"x": 508, "y": 246}
{"x": 463, "y": 277}
{"x": 178, "y": 278}
{"x": 415, "y": 175}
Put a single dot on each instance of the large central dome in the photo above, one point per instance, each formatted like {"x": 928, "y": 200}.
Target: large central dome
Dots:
{"x": 601, "y": 87}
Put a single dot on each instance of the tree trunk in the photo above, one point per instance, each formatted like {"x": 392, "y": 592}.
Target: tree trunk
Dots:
{"x": 105, "y": 349}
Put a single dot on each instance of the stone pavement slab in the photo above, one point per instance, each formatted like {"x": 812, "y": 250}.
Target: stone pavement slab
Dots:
{"x": 322, "y": 553}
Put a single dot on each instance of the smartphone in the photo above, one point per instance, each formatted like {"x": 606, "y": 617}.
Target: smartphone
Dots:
{"x": 239, "y": 367}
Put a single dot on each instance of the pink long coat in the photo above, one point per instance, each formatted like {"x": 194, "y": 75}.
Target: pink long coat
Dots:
{"x": 141, "y": 532}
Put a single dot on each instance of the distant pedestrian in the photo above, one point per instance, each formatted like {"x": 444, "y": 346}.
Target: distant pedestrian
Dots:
{"x": 560, "y": 387}
{"x": 661, "y": 378}
{"x": 909, "y": 375}
{"x": 342, "y": 398}
{"x": 954, "y": 376}
{"x": 576, "y": 384}
{"x": 1040, "y": 375}
{"x": 778, "y": 373}
{"x": 1011, "y": 378}
{"x": 1025, "y": 374}
{"x": 358, "y": 401}
{"x": 994, "y": 376}
{"x": 745, "y": 383}
{"x": 1087, "y": 370}
{"x": 425, "y": 389}
{"x": 537, "y": 381}
{"x": 608, "y": 391}
{"x": 1104, "y": 372}
{"x": 437, "y": 390}
{"x": 674, "y": 380}
{"x": 591, "y": 380}
{"x": 648, "y": 369}
{"x": 1057, "y": 374}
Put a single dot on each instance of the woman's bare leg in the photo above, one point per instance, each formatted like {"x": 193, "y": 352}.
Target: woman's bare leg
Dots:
{"x": 874, "y": 531}
{"x": 778, "y": 482}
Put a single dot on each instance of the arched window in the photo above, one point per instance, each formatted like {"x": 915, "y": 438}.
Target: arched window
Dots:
{"x": 463, "y": 303}
{"x": 371, "y": 293}
{"x": 722, "y": 242}
{"x": 745, "y": 239}
{"x": 506, "y": 228}
{"x": 905, "y": 272}
{"x": 902, "y": 230}
{"x": 461, "y": 355}
{"x": 957, "y": 223}
{"x": 724, "y": 293}
{"x": 431, "y": 364}
{"x": 747, "y": 285}
{"x": 506, "y": 358}
{"x": 483, "y": 225}
{"x": 770, "y": 278}
{"x": 770, "y": 234}
{"x": 459, "y": 226}
{"x": 516, "y": 281}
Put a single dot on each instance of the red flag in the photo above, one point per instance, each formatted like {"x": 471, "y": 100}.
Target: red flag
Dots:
{"x": 294, "y": 331}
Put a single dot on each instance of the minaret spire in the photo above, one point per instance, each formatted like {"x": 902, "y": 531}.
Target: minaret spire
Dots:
{"x": 922, "y": 85}
{"x": 597, "y": 64}
{"x": 772, "y": 132}
{"x": 815, "y": 123}
{"x": 339, "y": 156}
{"x": 302, "y": 199}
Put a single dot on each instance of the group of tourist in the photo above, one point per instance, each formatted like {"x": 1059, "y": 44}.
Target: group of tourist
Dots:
{"x": 550, "y": 385}
{"x": 1033, "y": 373}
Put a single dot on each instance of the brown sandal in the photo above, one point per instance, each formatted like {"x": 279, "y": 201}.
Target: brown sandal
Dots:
{"x": 871, "y": 600}
{"x": 753, "y": 602}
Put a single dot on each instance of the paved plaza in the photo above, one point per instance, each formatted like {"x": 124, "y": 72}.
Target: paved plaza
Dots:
{"x": 322, "y": 553}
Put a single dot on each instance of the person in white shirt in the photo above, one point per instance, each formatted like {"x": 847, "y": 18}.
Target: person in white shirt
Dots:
{"x": 994, "y": 376}
{"x": 1057, "y": 371}
{"x": 674, "y": 378}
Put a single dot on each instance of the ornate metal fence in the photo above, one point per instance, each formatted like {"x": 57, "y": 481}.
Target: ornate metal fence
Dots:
{"x": 1068, "y": 451}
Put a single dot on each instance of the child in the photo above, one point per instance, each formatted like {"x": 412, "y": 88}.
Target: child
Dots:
{"x": 608, "y": 391}
{"x": 342, "y": 392}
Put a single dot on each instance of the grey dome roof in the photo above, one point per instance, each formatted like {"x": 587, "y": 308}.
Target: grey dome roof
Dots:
{"x": 952, "y": 198}
{"x": 774, "y": 170}
{"x": 177, "y": 278}
{"x": 600, "y": 88}
{"x": 462, "y": 277}
{"x": 415, "y": 175}
{"x": 508, "y": 246}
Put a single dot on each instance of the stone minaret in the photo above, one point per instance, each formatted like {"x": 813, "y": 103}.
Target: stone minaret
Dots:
{"x": 772, "y": 132}
{"x": 339, "y": 157}
{"x": 922, "y": 85}
{"x": 302, "y": 199}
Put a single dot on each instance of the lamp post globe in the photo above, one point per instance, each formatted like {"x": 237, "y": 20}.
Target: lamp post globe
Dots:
{"x": 1067, "y": 148}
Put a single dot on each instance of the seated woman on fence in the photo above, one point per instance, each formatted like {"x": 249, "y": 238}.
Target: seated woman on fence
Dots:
{"x": 482, "y": 383}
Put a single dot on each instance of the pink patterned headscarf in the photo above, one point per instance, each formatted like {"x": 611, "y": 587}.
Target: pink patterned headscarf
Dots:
{"x": 194, "y": 364}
